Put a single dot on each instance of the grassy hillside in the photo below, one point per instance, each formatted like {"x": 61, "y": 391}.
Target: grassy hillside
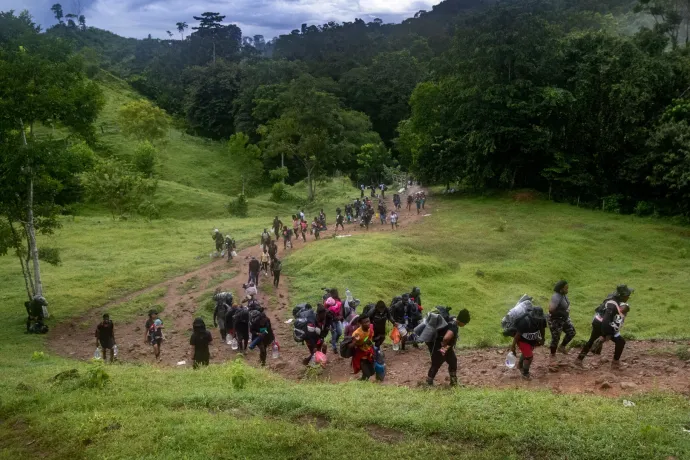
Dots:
{"x": 188, "y": 160}
{"x": 150, "y": 412}
{"x": 461, "y": 258}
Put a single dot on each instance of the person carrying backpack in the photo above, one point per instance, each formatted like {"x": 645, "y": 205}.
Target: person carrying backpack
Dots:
{"x": 335, "y": 309}
{"x": 607, "y": 323}
{"x": 287, "y": 232}
{"x": 530, "y": 334}
{"x": 265, "y": 259}
{"x": 263, "y": 332}
{"x": 199, "y": 341}
{"x": 35, "y": 315}
{"x": 315, "y": 228}
{"x": 296, "y": 227}
{"x": 218, "y": 238}
{"x": 317, "y": 332}
{"x": 339, "y": 222}
{"x": 223, "y": 305}
{"x": 559, "y": 318}
{"x": 442, "y": 349}
{"x": 363, "y": 349}
{"x": 273, "y": 250}
{"x": 105, "y": 337}
{"x": 156, "y": 337}
{"x": 230, "y": 246}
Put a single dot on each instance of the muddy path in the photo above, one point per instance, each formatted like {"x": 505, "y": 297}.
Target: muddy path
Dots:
{"x": 647, "y": 366}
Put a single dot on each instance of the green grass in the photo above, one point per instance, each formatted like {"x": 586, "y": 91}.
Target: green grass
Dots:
{"x": 542, "y": 243}
{"x": 139, "y": 306}
{"x": 142, "y": 413}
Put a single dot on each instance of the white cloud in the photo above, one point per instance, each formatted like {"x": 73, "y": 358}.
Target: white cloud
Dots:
{"x": 138, "y": 18}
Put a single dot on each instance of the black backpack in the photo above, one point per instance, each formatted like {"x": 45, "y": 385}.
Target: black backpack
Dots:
{"x": 242, "y": 316}
{"x": 302, "y": 320}
{"x": 345, "y": 350}
{"x": 298, "y": 309}
{"x": 368, "y": 310}
{"x": 601, "y": 309}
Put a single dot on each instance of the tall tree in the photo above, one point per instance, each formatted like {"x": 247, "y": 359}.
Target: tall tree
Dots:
{"x": 210, "y": 24}
{"x": 70, "y": 19}
{"x": 181, "y": 27}
{"x": 82, "y": 22}
{"x": 40, "y": 82}
{"x": 57, "y": 11}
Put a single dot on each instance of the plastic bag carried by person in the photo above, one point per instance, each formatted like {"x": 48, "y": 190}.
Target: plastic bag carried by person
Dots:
{"x": 97, "y": 354}
{"x": 320, "y": 358}
{"x": 395, "y": 335}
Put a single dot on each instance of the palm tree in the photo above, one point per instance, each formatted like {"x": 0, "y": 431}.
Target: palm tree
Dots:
{"x": 181, "y": 26}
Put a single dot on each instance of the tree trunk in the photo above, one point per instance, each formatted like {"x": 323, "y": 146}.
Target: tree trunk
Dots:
{"x": 282, "y": 163}
{"x": 30, "y": 230}
{"x": 310, "y": 182}
{"x": 550, "y": 187}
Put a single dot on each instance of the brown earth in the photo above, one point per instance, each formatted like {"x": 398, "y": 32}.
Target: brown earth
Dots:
{"x": 647, "y": 366}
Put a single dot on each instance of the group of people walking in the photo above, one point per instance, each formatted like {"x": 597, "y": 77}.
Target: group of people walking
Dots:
{"x": 609, "y": 316}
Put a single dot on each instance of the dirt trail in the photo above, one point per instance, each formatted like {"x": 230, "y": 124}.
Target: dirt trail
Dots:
{"x": 647, "y": 366}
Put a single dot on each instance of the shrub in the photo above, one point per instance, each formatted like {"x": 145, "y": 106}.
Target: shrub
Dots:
{"x": 683, "y": 253}
{"x": 683, "y": 352}
{"x": 612, "y": 203}
{"x": 96, "y": 377}
{"x": 644, "y": 208}
{"x": 484, "y": 342}
{"x": 279, "y": 193}
{"x": 238, "y": 375}
{"x": 239, "y": 207}
{"x": 38, "y": 356}
{"x": 145, "y": 158}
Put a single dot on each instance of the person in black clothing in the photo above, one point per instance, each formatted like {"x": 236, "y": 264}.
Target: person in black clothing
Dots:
{"x": 317, "y": 332}
{"x": 265, "y": 240}
{"x": 241, "y": 324}
{"x": 261, "y": 327}
{"x": 277, "y": 226}
{"x": 200, "y": 340}
{"x": 254, "y": 269}
{"x": 606, "y": 324}
{"x": 530, "y": 334}
{"x": 416, "y": 296}
{"x": 34, "y": 311}
{"x": 277, "y": 268}
{"x": 339, "y": 221}
{"x": 442, "y": 348}
{"x": 273, "y": 250}
{"x": 218, "y": 238}
{"x": 380, "y": 315}
{"x": 105, "y": 337}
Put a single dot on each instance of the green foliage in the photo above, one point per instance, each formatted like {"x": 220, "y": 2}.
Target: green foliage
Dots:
{"x": 683, "y": 352}
{"x": 210, "y": 97}
{"x": 143, "y": 121}
{"x": 279, "y": 193}
{"x": 238, "y": 375}
{"x": 121, "y": 190}
{"x": 313, "y": 129}
{"x": 38, "y": 356}
{"x": 239, "y": 207}
{"x": 96, "y": 377}
{"x": 50, "y": 255}
{"x": 371, "y": 163}
{"x": 245, "y": 158}
{"x": 279, "y": 174}
{"x": 145, "y": 157}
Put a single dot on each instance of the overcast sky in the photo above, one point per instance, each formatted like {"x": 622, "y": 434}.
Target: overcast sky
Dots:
{"x": 138, "y": 18}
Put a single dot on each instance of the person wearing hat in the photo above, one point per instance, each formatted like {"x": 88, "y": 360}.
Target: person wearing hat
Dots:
{"x": 607, "y": 323}
{"x": 218, "y": 238}
{"x": 441, "y": 346}
{"x": 559, "y": 318}
{"x": 105, "y": 337}
{"x": 265, "y": 240}
{"x": 530, "y": 334}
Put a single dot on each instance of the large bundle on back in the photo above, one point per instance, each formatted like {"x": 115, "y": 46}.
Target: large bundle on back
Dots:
{"x": 304, "y": 315}
{"x": 523, "y": 308}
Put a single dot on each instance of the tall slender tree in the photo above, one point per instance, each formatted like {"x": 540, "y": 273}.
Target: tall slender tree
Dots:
{"x": 57, "y": 10}
{"x": 209, "y": 26}
{"x": 181, "y": 26}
